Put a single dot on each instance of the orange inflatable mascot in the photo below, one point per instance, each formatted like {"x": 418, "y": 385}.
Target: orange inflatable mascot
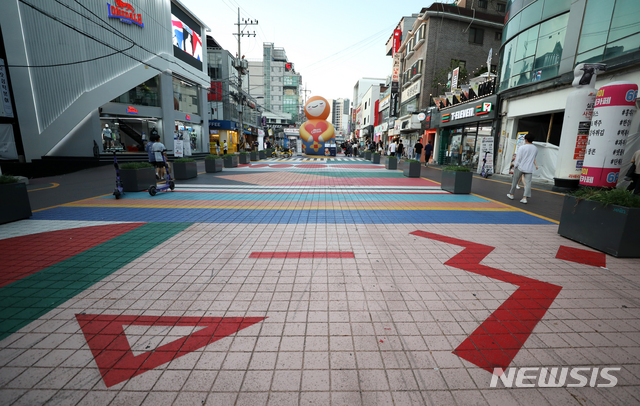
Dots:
{"x": 317, "y": 131}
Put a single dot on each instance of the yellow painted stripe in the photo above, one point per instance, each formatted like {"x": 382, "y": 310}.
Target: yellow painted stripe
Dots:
{"x": 43, "y": 188}
{"x": 517, "y": 209}
{"x": 337, "y": 207}
{"x": 66, "y": 204}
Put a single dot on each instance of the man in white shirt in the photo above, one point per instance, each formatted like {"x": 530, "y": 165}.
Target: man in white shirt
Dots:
{"x": 392, "y": 149}
{"x": 524, "y": 165}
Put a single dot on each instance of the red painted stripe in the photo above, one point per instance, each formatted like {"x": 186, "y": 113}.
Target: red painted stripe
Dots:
{"x": 112, "y": 352}
{"x": 323, "y": 192}
{"x": 581, "y": 256}
{"x": 499, "y": 338}
{"x": 303, "y": 254}
{"x": 28, "y": 254}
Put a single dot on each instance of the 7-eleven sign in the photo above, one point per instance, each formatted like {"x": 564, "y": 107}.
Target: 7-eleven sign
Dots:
{"x": 484, "y": 108}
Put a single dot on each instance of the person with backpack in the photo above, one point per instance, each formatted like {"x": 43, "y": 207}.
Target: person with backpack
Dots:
{"x": 150, "y": 153}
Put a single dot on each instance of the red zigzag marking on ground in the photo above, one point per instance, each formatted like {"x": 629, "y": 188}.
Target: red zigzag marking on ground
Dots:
{"x": 497, "y": 341}
{"x": 111, "y": 350}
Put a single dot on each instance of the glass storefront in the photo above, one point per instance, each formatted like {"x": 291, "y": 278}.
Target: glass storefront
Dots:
{"x": 127, "y": 134}
{"x": 145, "y": 94}
{"x": 461, "y": 145}
{"x": 186, "y": 97}
{"x": 193, "y": 134}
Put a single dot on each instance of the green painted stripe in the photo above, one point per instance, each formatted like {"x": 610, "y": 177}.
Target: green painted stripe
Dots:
{"x": 29, "y": 298}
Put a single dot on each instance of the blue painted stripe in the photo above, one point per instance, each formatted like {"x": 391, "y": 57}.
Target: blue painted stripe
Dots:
{"x": 307, "y": 197}
{"x": 287, "y": 216}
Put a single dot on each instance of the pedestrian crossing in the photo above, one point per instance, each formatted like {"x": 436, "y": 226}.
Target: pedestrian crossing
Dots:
{"x": 317, "y": 160}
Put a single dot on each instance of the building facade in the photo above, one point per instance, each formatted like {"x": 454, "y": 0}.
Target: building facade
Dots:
{"x": 103, "y": 81}
{"x": 543, "y": 42}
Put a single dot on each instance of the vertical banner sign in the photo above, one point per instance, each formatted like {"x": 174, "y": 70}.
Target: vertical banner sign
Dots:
{"x": 454, "y": 78}
{"x": 614, "y": 109}
{"x": 397, "y": 36}
{"x": 486, "y": 149}
{"x": 178, "y": 150}
{"x": 6, "y": 109}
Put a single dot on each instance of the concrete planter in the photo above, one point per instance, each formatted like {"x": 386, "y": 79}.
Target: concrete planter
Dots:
{"x": 391, "y": 163}
{"x": 231, "y": 161}
{"x": 14, "y": 202}
{"x": 135, "y": 180}
{"x": 244, "y": 159}
{"x": 412, "y": 170}
{"x": 213, "y": 165}
{"x": 367, "y": 155}
{"x": 254, "y": 156}
{"x": 611, "y": 229}
{"x": 456, "y": 182}
{"x": 375, "y": 158}
{"x": 262, "y": 154}
{"x": 185, "y": 170}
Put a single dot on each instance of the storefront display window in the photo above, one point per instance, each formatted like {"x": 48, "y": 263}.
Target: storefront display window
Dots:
{"x": 126, "y": 134}
{"x": 191, "y": 133}
{"x": 186, "y": 97}
{"x": 145, "y": 94}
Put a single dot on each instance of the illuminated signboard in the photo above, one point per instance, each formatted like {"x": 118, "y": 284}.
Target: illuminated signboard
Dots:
{"x": 188, "y": 118}
{"x": 125, "y": 12}
{"x": 186, "y": 38}
{"x": 288, "y": 66}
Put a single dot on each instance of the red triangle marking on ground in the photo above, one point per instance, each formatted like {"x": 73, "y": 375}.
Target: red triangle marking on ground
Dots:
{"x": 498, "y": 339}
{"x": 581, "y": 256}
{"x": 28, "y": 254}
{"x": 112, "y": 352}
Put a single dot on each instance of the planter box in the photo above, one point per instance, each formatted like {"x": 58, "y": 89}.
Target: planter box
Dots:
{"x": 244, "y": 159}
{"x": 456, "y": 182}
{"x": 611, "y": 229}
{"x": 254, "y": 156}
{"x": 262, "y": 154}
{"x": 213, "y": 165}
{"x": 231, "y": 162}
{"x": 391, "y": 162}
{"x": 375, "y": 158}
{"x": 361, "y": 154}
{"x": 135, "y": 180}
{"x": 185, "y": 170}
{"x": 14, "y": 202}
{"x": 367, "y": 155}
{"x": 412, "y": 170}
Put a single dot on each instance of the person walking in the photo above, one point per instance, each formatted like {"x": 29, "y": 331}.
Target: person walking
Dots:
{"x": 217, "y": 147}
{"x": 524, "y": 165}
{"x": 392, "y": 149}
{"x": 428, "y": 149}
{"x": 418, "y": 149}
{"x": 225, "y": 147}
{"x": 400, "y": 149}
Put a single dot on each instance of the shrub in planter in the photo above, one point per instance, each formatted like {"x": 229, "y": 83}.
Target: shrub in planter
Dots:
{"x": 605, "y": 219}
{"x": 456, "y": 179}
{"x": 367, "y": 155}
{"x": 137, "y": 176}
{"x": 254, "y": 156}
{"x": 269, "y": 152}
{"x": 411, "y": 168}
{"x": 14, "y": 200}
{"x": 213, "y": 163}
{"x": 185, "y": 168}
{"x": 262, "y": 154}
{"x": 375, "y": 157}
{"x": 244, "y": 158}
{"x": 230, "y": 160}
{"x": 391, "y": 163}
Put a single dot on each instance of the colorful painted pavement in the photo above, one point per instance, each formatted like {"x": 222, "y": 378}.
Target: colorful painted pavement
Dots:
{"x": 311, "y": 283}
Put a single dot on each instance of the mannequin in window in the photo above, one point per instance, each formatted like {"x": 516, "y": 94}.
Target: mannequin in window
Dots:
{"x": 107, "y": 137}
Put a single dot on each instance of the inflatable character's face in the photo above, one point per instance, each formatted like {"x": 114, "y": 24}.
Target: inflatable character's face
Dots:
{"x": 317, "y": 108}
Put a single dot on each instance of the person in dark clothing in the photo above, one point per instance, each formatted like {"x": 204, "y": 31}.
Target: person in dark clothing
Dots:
{"x": 400, "y": 149}
{"x": 418, "y": 149}
{"x": 428, "y": 149}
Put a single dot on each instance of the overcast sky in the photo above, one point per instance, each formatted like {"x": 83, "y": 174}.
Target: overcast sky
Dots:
{"x": 332, "y": 43}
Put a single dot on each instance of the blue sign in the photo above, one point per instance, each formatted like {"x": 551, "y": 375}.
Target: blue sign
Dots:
{"x": 222, "y": 125}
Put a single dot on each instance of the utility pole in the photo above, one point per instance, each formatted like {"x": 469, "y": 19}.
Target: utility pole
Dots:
{"x": 241, "y": 66}
{"x": 304, "y": 100}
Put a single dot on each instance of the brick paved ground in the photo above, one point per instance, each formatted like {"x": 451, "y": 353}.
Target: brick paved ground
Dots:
{"x": 307, "y": 283}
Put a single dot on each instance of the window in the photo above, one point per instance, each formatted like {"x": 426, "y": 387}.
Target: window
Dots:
{"x": 482, "y": 4}
{"x": 498, "y": 36}
{"x": 476, "y": 35}
{"x": 501, "y": 7}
